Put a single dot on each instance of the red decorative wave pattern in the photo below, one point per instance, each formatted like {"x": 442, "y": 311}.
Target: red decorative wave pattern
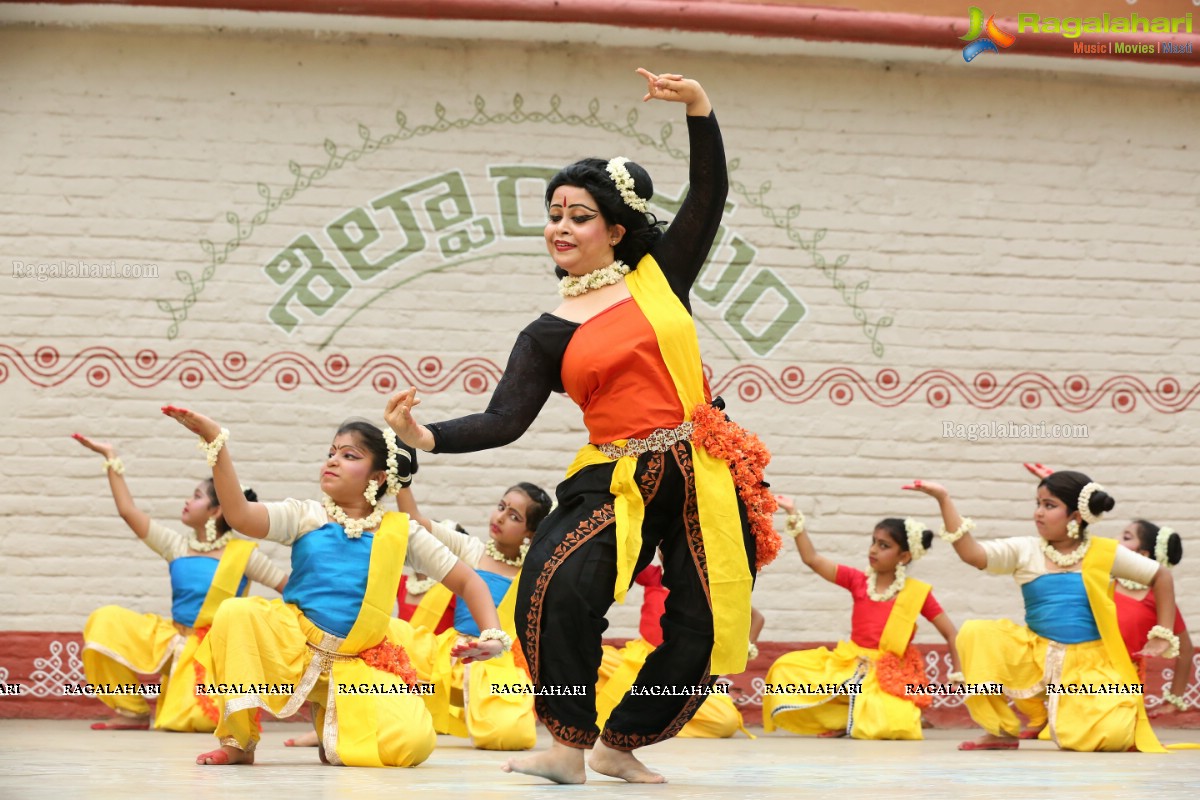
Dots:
{"x": 191, "y": 369}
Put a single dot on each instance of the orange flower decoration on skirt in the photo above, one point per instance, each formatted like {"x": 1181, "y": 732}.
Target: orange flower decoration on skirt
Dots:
{"x": 896, "y": 674}
{"x": 747, "y": 458}
{"x": 391, "y": 658}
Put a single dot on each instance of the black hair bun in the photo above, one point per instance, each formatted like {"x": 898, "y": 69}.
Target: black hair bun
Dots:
{"x": 250, "y": 494}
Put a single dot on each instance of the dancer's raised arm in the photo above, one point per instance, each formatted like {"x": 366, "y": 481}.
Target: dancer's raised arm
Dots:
{"x": 825, "y": 567}
{"x": 137, "y": 520}
{"x": 954, "y": 528}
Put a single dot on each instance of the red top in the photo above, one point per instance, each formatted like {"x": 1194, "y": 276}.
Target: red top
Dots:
{"x": 1137, "y": 617}
{"x": 408, "y": 609}
{"x": 614, "y": 370}
{"x": 869, "y": 617}
{"x": 654, "y": 604}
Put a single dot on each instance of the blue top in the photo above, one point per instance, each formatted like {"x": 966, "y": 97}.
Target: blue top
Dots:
{"x": 190, "y": 578}
{"x": 329, "y": 577}
{"x": 1057, "y": 608}
{"x": 464, "y": 623}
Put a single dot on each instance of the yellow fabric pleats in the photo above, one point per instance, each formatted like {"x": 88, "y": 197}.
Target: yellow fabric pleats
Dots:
{"x": 254, "y": 641}
{"x": 729, "y": 577}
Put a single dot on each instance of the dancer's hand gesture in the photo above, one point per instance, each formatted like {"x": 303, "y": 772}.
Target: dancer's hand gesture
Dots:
{"x": 1040, "y": 470}
{"x": 468, "y": 652}
{"x": 934, "y": 490}
{"x": 675, "y": 88}
{"x": 399, "y": 417}
{"x": 103, "y": 448}
{"x": 194, "y": 422}
{"x": 786, "y": 504}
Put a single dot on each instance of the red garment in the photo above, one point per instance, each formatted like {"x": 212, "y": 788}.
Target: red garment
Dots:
{"x": 624, "y": 391}
{"x": 408, "y": 609}
{"x": 1137, "y": 617}
{"x": 654, "y": 604}
{"x": 869, "y": 617}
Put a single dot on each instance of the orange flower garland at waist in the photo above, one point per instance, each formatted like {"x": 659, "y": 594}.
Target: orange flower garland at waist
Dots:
{"x": 392, "y": 658}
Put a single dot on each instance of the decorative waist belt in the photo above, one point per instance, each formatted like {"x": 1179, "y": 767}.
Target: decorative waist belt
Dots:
{"x": 660, "y": 441}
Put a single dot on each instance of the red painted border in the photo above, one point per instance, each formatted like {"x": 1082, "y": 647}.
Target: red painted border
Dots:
{"x": 710, "y": 16}
{"x": 46, "y": 368}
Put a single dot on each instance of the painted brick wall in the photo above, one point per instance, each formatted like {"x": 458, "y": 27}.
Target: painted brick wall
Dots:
{"x": 969, "y": 245}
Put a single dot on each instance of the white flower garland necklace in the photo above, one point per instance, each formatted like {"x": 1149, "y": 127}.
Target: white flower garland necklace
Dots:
{"x": 494, "y": 552}
{"x": 1070, "y": 559}
{"x": 891, "y": 591}
{"x": 573, "y": 286}
{"x": 214, "y": 542}
{"x": 354, "y": 527}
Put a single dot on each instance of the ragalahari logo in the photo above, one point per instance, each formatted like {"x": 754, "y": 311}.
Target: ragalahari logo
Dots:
{"x": 992, "y": 37}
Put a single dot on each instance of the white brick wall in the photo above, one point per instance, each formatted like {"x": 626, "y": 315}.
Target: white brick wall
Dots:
{"x": 1030, "y": 225}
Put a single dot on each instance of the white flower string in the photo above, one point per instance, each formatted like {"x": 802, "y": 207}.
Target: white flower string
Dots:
{"x": 213, "y": 449}
{"x": 966, "y": 527}
{"x": 1085, "y": 500}
{"x": 115, "y": 464}
{"x": 624, "y": 182}
{"x": 915, "y": 532}
{"x": 1169, "y": 697}
{"x": 795, "y": 524}
{"x": 572, "y": 286}
{"x": 495, "y": 634}
{"x": 354, "y": 527}
{"x": 494, "y": 552}
{"x": 1161, "y": 544}
{"x": 393, "y": 463}
{"x": 1132, "y": 586}
{"x": 891, "y": 591}
{"x": 1159, "y": 632}
{"x": 420, "y": 586}
{"x": 371, "y": 492}
{"x": 1072, "y": 529}
{"x": 1068, "y": 559}
{"x": 214, "y": 542}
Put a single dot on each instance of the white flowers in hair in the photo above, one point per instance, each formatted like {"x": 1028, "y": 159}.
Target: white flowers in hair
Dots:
{"x": 1084, "y": 503}
{"x": 393, "y": 462}
{"x": 915, "y": 533}
{"x": 966, "y": 527}
{"x": 624, "y": 182}
{"x": 572, "y": 286}
{"x": 1070, "y": 559}
{"x": 213, "y": 449}
{"x": 354, "y": 527}
{"x": 1161, "y": 544}
{"x": 891, "y": 591}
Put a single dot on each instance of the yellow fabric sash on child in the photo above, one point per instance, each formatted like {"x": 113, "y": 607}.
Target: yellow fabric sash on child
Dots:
{"x": 898, "y": 630}
{"x": 432, "y": 608}
{"x": 729, "y": 576}
{"x": 230, "y": 570}
{"x": 1097, "y": 581}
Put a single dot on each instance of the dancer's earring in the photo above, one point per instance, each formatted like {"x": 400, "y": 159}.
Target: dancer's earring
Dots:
{"x": 371, "y": 492}
{"x": 1073, "y": 529}
{"x": 210, "y": 529}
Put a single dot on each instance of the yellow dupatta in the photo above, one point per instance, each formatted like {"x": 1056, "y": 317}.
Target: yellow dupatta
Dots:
{"x": 729, "y": 577}
{"x": 898, "y": 630}
{"x": 230, "y": 570}
{"x": 1097, "y": 582}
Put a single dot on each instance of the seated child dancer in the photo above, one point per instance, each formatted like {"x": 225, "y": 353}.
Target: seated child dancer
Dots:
{"x": 465, "y": 703}
{"x": 717, "y": 717}
{"x": 333, "y": 634}
{"x": 1071, "y": 640}
{"x": 206, "y": 568}
{"x": 1137, "y": 611}
{"x": 860, "y": 688}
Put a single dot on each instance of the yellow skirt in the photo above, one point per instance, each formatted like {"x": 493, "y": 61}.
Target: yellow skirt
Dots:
{"x": 260, "y": 650}
{"x": 872, "y": 713}
{"x": 717, "y": 717}
{"x": 492, "y": 712}
{"x": 120, "y": 644}
{"x": 1001, "y": 651}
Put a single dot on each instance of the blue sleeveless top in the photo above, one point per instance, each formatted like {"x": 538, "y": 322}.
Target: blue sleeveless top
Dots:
{"x": 1057, "y": 608}
{"x": 464, "y": 623}
{"x": 329, "y": 577}
{"x": 190, "y": 578}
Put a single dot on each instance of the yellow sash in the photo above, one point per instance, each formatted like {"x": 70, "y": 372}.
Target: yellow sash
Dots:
{"x": 230, "y": 570}
{"x": 898, "y": 630}
{"x": 1097, "y": 581}
{"x": 432, "y": 608}
{"x": 357, "y": 744}
{"x": 729, "y": 576}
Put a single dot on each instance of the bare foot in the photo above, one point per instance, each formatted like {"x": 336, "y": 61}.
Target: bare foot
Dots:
{"x": 622, "y": 764}
{"x": 560, "y": 764}
{"x": 831, "y": 734}
{"x": 119, "y": 724}
{"x": 303, "y": 740}
{"x": 990, "y": 742}
{"x": 225, "y": 755}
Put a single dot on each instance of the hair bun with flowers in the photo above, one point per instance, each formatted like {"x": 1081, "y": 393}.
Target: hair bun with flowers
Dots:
{"x": 1084, "y": 505}
{"x": 915, "y": 533}
{"x": 396, "y": 479}
{"x": 1162, "y": 543}
{"x": 624, "y": 182}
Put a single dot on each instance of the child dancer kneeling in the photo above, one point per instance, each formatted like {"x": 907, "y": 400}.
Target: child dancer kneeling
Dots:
{"x": 333, "y": 632}
{"x": 872, "y": 671}
{"x": 1071, "y": 638}
{"x": 207, "y": 568}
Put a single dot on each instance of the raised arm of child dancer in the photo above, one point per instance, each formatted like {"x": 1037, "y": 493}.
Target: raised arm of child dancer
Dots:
{"x": 955, "y": 529}
{"x": 137, "y": 520}
{"x": 243, "y": 516}
{"x": 825, "y": 567}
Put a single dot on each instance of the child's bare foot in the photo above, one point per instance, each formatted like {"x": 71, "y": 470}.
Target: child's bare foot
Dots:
{"x": 225, "y": 755}
{"x": 303, "y": 740}
{"x": 831, "y": 734}
{"x": 622, "y": 764}
{"x": 560, "y": 764}
{"x": 990, "y": 742}
{"x": 119, "y": 724}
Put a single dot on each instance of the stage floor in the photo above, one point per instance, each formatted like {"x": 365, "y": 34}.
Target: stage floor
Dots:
{"x": 59, "y": 758}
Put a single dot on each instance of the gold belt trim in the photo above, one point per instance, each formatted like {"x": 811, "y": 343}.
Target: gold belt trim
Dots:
{"x": 658, "y": 442}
